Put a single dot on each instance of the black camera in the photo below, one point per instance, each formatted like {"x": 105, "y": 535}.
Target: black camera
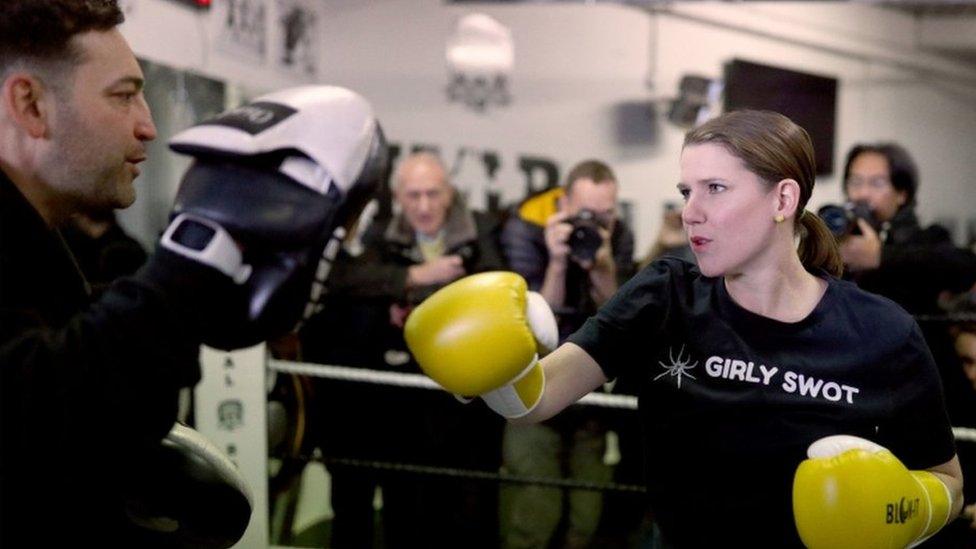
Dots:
{"x": 842, "y": 220}
{"x": 469, "y": 257}
{"x": 585, "y": 239}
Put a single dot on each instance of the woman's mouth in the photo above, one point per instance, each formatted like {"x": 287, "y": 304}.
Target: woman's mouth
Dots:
{"x": 698, "y": 243}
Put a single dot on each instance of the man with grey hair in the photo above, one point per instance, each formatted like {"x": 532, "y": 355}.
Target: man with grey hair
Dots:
{"x": 432, "y": 240}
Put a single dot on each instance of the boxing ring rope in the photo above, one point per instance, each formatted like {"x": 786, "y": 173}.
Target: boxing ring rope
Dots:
{"x": 420, "y": 381}
{"x": 953, "y": 318}
{"x": 240, "y": 381}
{"x": 488, "y": 476}
{"x": 362, "y": 375}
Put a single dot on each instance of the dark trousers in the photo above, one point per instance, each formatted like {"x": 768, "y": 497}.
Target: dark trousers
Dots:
{"x": 352, "y": 503}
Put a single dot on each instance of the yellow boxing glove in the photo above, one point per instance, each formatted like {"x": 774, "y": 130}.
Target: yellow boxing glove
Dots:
{"x": 482, "y": 335}
{"x": 854, "y": 493}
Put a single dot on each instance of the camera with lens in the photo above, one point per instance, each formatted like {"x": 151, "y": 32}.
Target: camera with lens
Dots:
{"x": 470, "y": 260}
{"x": 585, "y": 239}
{"x": 842, "y": 219}
{"x": 469, "y": 257}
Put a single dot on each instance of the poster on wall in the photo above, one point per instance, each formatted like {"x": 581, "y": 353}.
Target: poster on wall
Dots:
{"x": 480, "y": 56}
{"x": 243, "y": 29}
{"x": 297, "y": 38}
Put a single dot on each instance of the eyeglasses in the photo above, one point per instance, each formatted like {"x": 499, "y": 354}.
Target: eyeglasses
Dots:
{"x": 870, "y": 182}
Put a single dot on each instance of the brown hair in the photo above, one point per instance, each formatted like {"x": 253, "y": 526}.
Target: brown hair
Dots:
{"x": 38, "y": 33}
{"x": 594, "y": 170}
{"x": 775, "y": 148}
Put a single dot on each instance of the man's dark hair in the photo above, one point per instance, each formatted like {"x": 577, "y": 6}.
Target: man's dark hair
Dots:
{"x": 594, "y": 170}
{"x": 38, "y": 32}
{"x": 901, "y": 167}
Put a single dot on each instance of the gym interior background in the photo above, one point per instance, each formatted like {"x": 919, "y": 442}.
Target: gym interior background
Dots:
{"x": 582, "y": 80}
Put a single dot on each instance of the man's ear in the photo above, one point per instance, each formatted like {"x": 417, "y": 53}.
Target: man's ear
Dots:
{"x": 27, "y": 103}
{"x": 787, "y": 196}
{"x": 902, "y": 197}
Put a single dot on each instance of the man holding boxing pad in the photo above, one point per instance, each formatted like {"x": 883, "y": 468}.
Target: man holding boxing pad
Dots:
{"x": 88, "y": 447}
{"x": 750, "y": 363}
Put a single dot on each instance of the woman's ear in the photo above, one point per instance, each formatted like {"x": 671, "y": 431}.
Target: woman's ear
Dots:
{"x": 787, "y": 198}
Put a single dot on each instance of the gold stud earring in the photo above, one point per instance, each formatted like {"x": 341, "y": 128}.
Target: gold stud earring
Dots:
{"x": 779, "y": 218}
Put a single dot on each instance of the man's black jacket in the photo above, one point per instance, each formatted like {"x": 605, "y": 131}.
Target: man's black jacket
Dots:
{"x": 84, "y": 387}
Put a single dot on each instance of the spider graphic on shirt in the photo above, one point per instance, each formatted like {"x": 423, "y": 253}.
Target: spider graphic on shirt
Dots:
{"x": 679, "y": 366}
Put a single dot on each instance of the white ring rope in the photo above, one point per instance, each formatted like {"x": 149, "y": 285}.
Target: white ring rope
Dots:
{"x": 967, "y": 434}
{"x": 420, "y": 381}
{"x": 347, "y": 373}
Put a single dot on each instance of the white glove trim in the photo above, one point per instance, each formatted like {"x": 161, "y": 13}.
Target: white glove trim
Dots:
{"x": 221, "y": 252}
{"x": 835, "y": 445}
{"x": 929, "y": 521}
{"x": 541, "y": 321}
{"x": 306, "y": 172}
{"x": 313, "y": 305}
{"x": 505, "y": 400}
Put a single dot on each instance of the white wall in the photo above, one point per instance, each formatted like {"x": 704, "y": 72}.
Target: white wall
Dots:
{"x": 174, "y": 34}
{"x": 576, "y": 65}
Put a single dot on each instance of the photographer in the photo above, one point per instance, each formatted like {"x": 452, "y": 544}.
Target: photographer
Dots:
{"x": 893, "y": 255}
{"x": 433, "y": 240}
{"x": 570, "y": 247}
{"x": 887, "y": 252}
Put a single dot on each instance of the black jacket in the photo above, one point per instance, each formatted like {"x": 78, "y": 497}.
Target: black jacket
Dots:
{"x": 104, "y": 259}
{"x": 354, "y": 328}
{"x": 917, "y": 264}
{"x": 85, "y": 386}
{"x": 390, "y": 248}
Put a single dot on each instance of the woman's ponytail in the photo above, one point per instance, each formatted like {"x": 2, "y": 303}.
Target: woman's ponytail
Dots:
{"x": 818, "y": 247}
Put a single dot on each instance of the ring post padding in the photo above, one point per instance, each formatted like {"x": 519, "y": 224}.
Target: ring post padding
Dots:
{"x": 231, "y": 411}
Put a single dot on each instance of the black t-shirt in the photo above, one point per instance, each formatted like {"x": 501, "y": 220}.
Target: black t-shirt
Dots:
{"x": 730, "y": 400}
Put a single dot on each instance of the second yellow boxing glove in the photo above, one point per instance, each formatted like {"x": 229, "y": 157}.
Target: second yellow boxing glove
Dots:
{"x": 854, "y": 493}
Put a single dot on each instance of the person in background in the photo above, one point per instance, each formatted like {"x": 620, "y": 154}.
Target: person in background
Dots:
{"x": 434, "y": 239}
{"x": 891, "y": 254}
{"x": 570, "y": 246}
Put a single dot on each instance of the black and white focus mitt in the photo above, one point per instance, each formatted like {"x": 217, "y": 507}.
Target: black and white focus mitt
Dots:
{"x": 274, "y": 187}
